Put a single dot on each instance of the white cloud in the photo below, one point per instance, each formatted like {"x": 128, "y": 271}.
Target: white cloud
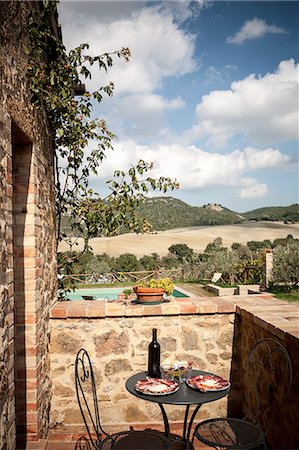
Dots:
{"x": 152, "y": 103}
{"x": 141, "y": 115}
{"x": 253, "y": 29}
{"x": 150, "y": 33}
{"x": 160, "y": 49}
{"x": 195, "y": 168}
{"x": 256, "y": 191}
{"x": 184, "y": 9}
{"x": 222, "y": 75}
{"x": 263, "y": 109}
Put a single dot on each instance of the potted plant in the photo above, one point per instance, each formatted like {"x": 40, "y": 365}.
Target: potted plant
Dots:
{"x": 152, "y": 291}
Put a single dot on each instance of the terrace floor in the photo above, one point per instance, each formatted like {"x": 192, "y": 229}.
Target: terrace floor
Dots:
{"x": 59, "y": 441}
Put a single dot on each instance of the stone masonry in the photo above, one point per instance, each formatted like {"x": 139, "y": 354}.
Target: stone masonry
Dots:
{"x": 216, "y": 333}
{"x": 27, "y": 241}
{"x": 118, "y": 348}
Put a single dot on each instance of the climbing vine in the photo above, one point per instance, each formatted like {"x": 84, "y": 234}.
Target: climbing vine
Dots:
{"x": 53, "y": 74}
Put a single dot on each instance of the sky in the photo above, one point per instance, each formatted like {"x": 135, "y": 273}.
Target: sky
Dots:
{"x": 210, "y": 94}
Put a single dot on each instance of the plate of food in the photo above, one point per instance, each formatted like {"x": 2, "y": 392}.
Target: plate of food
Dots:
{"x": 208, "y": 383}
{"x": 156, "y": 386}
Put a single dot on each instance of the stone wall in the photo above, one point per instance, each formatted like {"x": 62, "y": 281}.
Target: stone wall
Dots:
{"x": 118, "y": 348}
{"x": 27, "y": 240}
{"x": 215, "y": 332}
{"x": 284, "y": 430}
{"x": 7, "y": 408}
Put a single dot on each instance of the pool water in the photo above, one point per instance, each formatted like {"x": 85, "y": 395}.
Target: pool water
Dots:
{"x": 179, "y": 294}
{"x": 108, "y": 293}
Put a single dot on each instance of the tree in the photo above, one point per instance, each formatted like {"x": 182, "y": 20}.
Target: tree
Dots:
{"x": 126, "y": 262}
{"x": 286, "y": 264}
{"x": 97, "y": 265}
{"x": 149, "y": 262}
{"x": 257, "y": 245}
{"x": 285, "y": 241}
{"x": 170, "y": 262}
{"x": 242, "y": 251}
{"x": 216, "y": 245}
{"x": 182, "y": 251}
{"x": 53, "y": 74}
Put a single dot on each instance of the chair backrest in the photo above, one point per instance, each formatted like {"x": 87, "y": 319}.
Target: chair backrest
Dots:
{"x": 216, "y": 277}
{"x": 268, "y": 381}
{"x": 87, "y": 398}
{"x": 83, "y": 444}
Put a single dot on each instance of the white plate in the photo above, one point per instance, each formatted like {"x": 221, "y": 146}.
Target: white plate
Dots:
{"x": 177, "y": 387}
{"x": 207, "y": 389}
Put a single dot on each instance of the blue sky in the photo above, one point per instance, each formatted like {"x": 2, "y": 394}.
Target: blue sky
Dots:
{"x": 210, "y": 94}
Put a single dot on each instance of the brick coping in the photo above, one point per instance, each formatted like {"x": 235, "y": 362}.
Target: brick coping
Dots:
{"x": 270, "y": 313}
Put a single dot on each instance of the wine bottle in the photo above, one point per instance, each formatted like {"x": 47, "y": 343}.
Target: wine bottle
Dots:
{"x": 154, "y": 356}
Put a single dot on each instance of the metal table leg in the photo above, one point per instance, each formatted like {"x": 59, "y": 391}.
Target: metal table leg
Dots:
{"x": 190, "y": 424}
{"x": 165, "y": 420}
{"x": 185, "y": 422}
{"x": 187, "y": 426}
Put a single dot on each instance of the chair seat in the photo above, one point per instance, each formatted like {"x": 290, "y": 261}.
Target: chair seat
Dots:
{"x": 136, "y": 440}
{"x": 229, "y": 433}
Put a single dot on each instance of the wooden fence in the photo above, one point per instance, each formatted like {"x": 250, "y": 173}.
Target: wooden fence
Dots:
{"x": 122, "y": 277}
{"x": 249, "y": 275}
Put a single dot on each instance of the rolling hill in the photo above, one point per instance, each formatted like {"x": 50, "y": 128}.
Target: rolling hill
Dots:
{"x": 274, "y": 213}
{"x": 166, "y": 213}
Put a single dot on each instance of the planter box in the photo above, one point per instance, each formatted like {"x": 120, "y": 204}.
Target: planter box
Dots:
{"x": 245, "y": 289}
{"x": 221, "y": 291}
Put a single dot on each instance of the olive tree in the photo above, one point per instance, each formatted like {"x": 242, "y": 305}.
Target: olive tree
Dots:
{"x": 182, "y": 251}
{"x": 286, "y": 264}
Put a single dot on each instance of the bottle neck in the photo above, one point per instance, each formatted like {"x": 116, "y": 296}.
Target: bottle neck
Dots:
{"x": 154, "y": 334}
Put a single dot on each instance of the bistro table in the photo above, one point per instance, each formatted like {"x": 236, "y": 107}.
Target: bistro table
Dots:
{"x": 185, "y": 396}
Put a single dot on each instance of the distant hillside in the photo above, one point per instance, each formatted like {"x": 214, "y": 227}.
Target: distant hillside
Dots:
{"x": 274, "y": 213}
{"x": 167, "y": 212}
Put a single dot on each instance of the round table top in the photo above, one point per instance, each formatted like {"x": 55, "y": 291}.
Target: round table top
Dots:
{"x": 184, "y": 396}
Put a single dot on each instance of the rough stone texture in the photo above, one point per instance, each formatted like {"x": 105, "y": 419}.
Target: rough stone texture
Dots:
{"x": 218, "y": 335}
{"x": 118, "y": 348}
{"x": 284, "y": 430}
{"x": 111, "y": 342}
{"x": 27, "y": 239}
{"x": 190, "y": 339}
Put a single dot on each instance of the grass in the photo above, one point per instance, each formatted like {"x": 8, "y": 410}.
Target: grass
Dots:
{"x": 290, "y": 295}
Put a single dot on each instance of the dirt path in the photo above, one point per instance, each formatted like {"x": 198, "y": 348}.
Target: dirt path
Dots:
{"x": 196, "y": 238}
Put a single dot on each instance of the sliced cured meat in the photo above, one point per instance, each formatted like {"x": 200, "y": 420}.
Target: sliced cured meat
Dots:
{"x": 156, "y": 386}
{"x": 205, "y": 383}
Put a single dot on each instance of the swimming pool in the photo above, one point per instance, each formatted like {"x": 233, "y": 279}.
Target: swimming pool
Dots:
{"x": 108, "y": 293}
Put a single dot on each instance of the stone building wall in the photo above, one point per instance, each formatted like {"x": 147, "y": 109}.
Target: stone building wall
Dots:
{"x": 283, "y": 427}
{"x": 27, "y": 240}
{"x": 118, "y": 348}
{"x": 7, "y": 408}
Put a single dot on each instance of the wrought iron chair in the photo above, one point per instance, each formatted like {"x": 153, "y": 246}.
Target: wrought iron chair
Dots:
{"x": 268, "y": 382}
{"x": 83, "y": 444}
{"x": 89, "y": 407}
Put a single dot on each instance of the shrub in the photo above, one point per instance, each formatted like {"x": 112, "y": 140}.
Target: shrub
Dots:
{"x": 286, "y": 264}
